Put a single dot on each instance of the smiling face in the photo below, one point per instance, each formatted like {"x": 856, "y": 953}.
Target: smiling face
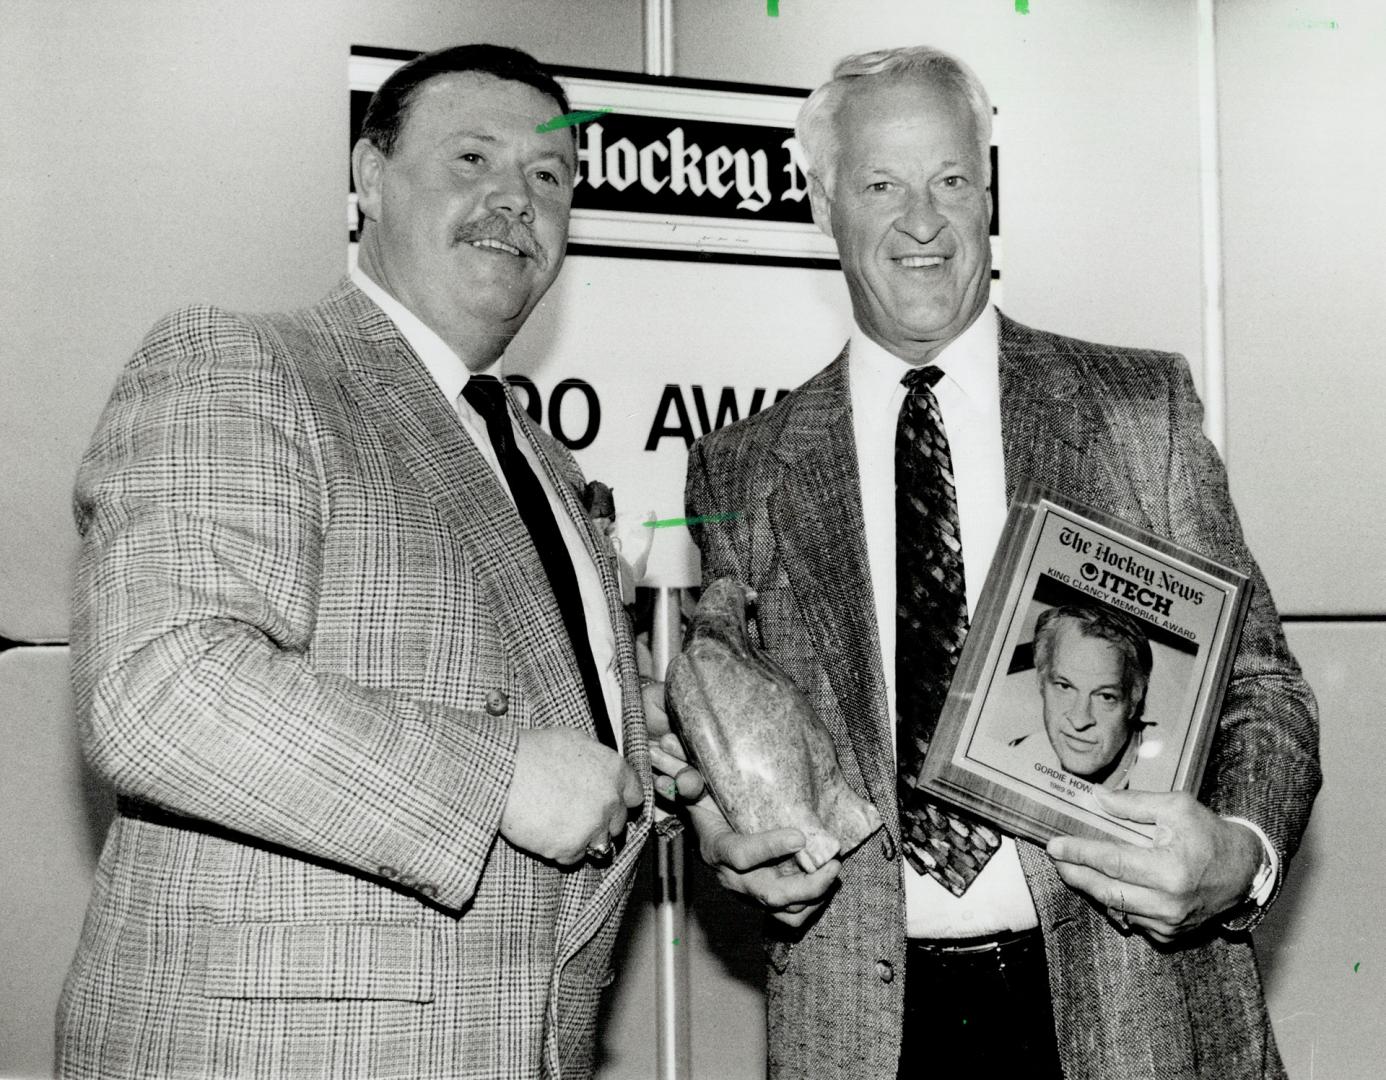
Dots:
{"x": 467, "y": 219}
{"x": 1088, "y": 701}
{"x": 911, "y": 214}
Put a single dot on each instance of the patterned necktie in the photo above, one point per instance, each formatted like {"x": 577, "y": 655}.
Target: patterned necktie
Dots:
{"x": 931, "y": 620}
{"x": 486, "y": 395}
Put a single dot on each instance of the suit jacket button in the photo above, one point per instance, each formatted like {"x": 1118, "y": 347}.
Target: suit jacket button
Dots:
{"x": 885, "y": 970}
{"x": 389, "y": 873}
{"x": 887, "y": 847}
{"x": 497, "y": 702}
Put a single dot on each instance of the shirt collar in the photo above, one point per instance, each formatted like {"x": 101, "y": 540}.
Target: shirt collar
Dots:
{"x": 444, "y": 365}
{"x": 969, "y": 363}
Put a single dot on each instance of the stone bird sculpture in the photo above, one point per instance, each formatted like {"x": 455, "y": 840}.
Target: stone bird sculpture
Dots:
{"x": 766, "y": 757}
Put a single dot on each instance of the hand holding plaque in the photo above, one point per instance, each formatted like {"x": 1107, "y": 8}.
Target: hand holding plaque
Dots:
{"x": 767, "y": 759}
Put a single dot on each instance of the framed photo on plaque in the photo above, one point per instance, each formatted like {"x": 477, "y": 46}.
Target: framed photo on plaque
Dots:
{"x": 1098, "y": 656}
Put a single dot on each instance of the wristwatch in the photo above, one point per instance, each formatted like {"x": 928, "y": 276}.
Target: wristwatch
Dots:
{"x": 1263, "y": 883}
{"x": 1258, "y": 894}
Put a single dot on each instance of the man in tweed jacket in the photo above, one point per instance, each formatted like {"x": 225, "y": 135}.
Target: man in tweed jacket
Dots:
{"x": 365, "y": 822}
{"x": 1089, "y": 960}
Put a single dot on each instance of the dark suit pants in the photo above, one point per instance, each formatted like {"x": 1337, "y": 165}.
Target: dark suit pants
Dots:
{"x": 979, "y": 1008}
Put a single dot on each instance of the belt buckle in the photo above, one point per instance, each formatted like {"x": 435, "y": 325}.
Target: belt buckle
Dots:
{"x": 994, "y": 945}
{"x": 973, "y": 946}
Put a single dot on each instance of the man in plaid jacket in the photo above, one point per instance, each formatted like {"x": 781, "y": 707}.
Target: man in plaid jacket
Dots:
{"x": 366, "y": 824}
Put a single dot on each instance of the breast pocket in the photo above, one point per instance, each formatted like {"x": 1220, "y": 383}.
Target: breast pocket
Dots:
{"x": 335, "y": 961}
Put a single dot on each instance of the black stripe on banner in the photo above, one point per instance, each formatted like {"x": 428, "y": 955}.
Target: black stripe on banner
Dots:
{"x": 1333, "y": 618}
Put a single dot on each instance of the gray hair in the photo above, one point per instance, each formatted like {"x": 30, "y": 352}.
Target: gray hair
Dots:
{"x": 1100, "y": 623}
{"x": 814, "y": 127}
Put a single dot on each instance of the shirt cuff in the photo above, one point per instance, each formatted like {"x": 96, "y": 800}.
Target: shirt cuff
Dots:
{"x": 1263, "y": 885}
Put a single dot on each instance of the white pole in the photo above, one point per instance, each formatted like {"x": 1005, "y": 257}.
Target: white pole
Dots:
{"x": 659, "y": 37}
{"x": 1210, "y": 198}
{"x": 673, "y": 1043}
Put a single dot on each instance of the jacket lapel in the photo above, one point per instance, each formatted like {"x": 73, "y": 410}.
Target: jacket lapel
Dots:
{"x": 816, "y": 515}
{"x": 394, "y": 390}
{"x": 592, "y": 895}
{"x": 563, "y": 474}
{"x": 1052, "y": 429}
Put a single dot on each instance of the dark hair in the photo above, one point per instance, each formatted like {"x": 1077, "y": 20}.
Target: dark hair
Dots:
{"x": 1104, "y": 624}
{"x": 389, "y": 107}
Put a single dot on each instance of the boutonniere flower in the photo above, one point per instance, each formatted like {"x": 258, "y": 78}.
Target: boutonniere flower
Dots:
{"x": 628, "y": 540}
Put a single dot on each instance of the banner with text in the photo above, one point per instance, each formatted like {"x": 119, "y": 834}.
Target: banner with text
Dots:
{"x": 697, "y": 289}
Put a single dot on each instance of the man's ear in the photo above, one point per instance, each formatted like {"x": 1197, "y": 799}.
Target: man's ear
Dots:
{"x": 822, "y": 208}
{"x": 367, "y": 170}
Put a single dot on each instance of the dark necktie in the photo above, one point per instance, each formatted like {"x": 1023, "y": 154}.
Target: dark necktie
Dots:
{"x": 486, "y": 395}
{"x": 931, "y": 620}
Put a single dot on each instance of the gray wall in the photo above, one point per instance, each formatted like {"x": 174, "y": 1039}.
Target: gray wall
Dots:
{"x": 1303, "y": 147}
{"x": 164, "y": 151}
{"x": 159, "y": 151}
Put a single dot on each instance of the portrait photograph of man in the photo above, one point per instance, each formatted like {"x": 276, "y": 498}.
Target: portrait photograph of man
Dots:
{"x": 1093, "y": 667}
{"x": 1088, "y": 690}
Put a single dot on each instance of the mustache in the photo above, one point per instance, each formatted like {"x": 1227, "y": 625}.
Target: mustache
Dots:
{"x": 507, "y": 230}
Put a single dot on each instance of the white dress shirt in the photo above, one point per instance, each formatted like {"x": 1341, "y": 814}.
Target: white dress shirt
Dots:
{"x": 969, "y": 399}
{"x": 451, "y": 375}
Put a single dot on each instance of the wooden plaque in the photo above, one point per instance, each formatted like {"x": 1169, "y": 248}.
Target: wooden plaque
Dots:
{"x": 1121, "y": 686}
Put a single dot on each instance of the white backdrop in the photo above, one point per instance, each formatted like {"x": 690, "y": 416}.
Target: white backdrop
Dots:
{"x": 706, "y": 330}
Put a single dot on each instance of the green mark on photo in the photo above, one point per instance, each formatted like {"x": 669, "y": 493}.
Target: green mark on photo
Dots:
{"x": 570, "y": 119}
{"x": 1022, "y": 7}
{"x": 668, "y": 523}
{"x": 772, "y": 8}
{"x": 1357, "y": 965}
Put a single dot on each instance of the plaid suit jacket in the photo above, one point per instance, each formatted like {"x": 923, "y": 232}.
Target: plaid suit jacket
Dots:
{"x": 1118, "y": 429}
{"x": 306, "y": 617}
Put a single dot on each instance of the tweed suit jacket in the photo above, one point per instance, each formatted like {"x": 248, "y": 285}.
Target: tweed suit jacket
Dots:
{"x": 306, "y": 617}
{"x": 1115, "y": 428}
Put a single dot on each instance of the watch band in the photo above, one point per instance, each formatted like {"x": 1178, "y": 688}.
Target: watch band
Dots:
{"x": 1263, "y": 881}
